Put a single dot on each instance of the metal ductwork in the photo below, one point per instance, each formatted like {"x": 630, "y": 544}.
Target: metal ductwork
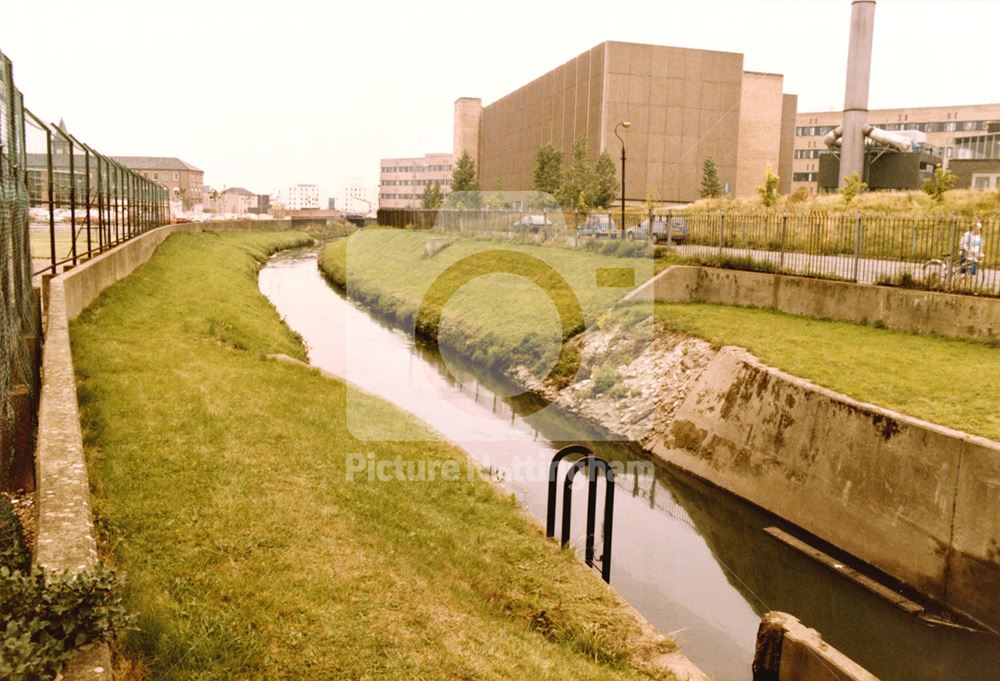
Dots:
{"x": 834, "y": 138}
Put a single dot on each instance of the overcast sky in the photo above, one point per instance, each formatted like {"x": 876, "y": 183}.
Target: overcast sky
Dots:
{"x": 262, "y": 94}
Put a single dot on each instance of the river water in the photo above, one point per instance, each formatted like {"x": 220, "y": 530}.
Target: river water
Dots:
{"x": 691, "y": 558}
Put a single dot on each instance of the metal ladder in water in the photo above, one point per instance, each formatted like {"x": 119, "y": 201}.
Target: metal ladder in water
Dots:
{"x": 587, "y": 459}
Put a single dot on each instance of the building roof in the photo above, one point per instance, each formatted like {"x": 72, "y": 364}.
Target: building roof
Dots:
{"x": 155, "y": 163}
{"x": 238, "y": 190}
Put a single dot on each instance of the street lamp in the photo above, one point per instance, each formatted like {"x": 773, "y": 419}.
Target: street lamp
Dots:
{"x": 626, "y": 125}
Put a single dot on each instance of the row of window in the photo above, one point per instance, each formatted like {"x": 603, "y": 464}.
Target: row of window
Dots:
{"x": 417, "y": 169}
{"x": 805, "y": 177}
{"x": 944, "y": 126}
{"x": 166, "y": 176}
{"x": 400, "y": 196}
{"x": 420, "y": 183}
{"x": 808, "y": 153}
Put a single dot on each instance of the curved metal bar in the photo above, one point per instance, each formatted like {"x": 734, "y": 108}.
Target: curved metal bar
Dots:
{"x": 567, "y": 508}
{"x": 550, "y": 513}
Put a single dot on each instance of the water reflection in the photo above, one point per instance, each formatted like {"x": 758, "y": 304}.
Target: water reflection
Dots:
{"x": 692, "y": 559}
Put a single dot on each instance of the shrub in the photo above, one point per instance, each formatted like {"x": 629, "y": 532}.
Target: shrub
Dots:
{"x": 48, "y": 616}
{"x": 604, "y": 379}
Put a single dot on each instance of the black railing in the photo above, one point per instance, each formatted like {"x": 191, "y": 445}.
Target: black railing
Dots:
{"x": 586, "y": 460}
{"x": 910, "y": 251}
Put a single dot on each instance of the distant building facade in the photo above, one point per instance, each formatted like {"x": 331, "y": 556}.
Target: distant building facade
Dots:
{"x": 298, "y": 197}
{"x": 360, "y": 200}
{"x": 683, "y": 105}
{"x": 238, "y": 200}
{"x": 185, "y": 182}
{"x": 402, "y": 180}
{"x": 943, "y": 126}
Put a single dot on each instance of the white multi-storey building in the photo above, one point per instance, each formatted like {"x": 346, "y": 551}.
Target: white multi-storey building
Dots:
{"x": 360, "y": 200}
{"x": 298, "y": 197}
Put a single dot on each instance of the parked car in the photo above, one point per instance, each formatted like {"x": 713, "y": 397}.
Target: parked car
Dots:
{"x": 532, "y": 223}
{"x": 597, "y": 225}
{"x": 678, "y": 230}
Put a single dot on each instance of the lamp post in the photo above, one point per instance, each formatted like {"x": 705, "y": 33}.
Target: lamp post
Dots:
{"x": 625, "y": 125}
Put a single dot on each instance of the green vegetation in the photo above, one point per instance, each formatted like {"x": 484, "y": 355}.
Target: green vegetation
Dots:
{"x": 220, "y": 486}
{"x": 500, "y": 320}
{"x": 942, "y": 181}
{"x": 579, "y": 187}
{"x": 852, "y": 187}
{"x": 769, "y": 190}
{"x": 464, "y": 184}
{"x": 432, "y": 196}
{"x": 47, "y": 616}
{"x": 947, "y": 381}
{"x": 711, "y": 188}
{"x": 967, "y": 203}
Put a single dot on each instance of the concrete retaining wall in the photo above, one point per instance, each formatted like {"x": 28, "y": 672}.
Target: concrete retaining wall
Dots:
{"x": 789, "y": 651}
{"x": 946, "y": 314}
{"x": 65, "y": 533}
{"x": 920, "y": 502}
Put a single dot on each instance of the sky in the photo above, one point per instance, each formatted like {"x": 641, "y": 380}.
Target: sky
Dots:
{"x": 263, "y": 94}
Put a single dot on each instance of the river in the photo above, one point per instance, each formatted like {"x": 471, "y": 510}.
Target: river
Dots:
{"x": 693, "y": 559}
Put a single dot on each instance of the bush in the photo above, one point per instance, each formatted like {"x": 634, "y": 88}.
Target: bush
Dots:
{"x": 604, "y": 379}
{"x": 49, "y": 616}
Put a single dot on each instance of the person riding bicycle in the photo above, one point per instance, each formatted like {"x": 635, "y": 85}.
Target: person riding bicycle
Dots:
{"x": 970, "y": 250}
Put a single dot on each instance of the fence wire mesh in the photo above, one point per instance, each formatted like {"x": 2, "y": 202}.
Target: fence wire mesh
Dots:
{"x": 20, "y": 320}
{"x": 60, "y": 203}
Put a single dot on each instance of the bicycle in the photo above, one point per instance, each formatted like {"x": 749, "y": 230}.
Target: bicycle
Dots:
{"x": 946, "y": 268}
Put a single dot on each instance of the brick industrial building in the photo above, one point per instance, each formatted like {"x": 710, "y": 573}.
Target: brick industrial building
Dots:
{"x": 942, "y": 125}
{"x": 683, "y": 105}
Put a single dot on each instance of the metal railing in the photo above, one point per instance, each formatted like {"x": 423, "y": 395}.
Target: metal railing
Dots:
{"x": 907, "y": 251}
{"x": 82, "y": 202}
{"x": 60, "y": 202}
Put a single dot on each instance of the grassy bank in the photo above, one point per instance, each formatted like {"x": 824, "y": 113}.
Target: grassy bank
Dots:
{"x": 947, "y": 381}
{"x": 221, "y": 489}
{"x": 501, "y": 319}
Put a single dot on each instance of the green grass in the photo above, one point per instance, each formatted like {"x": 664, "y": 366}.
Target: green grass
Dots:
{"x": 501, "y": 319}
{"x": 220, "y": 488}
{"x": 946, "y": 381}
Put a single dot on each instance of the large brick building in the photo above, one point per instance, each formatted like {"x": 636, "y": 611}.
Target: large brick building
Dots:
{"x": 402, "y": 180}
{"x": 683, "y": 105}
{"x": 184, "y": 181}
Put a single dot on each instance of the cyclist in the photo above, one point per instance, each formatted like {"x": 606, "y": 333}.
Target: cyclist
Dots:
{"x": 970, "y": 250}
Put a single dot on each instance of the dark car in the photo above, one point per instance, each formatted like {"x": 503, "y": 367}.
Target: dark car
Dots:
{"x": 532, "y": 223}
{"x": 678, "y": 230}
{"x": 597, "y": 225}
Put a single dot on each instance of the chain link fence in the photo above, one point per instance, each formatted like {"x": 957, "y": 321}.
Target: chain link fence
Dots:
{"x": 934, "y": 253}
{"x": 61, "y": 203}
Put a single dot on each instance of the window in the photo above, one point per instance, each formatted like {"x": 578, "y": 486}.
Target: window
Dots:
{"x": 177, "y": 176}
{"x": 156, "y": 176}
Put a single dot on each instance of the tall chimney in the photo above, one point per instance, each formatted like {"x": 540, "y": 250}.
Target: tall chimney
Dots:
{"x": 859, "y": 62}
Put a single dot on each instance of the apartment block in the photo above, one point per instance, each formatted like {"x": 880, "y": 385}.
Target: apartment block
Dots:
{"x": 942, "y": 125}
{"x": 403, "y": 180}
{"x": 683, "y": 105}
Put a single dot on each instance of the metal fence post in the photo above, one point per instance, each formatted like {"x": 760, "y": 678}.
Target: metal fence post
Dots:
{"x": 858, "y": 239}
{"x": 784, "y": 231}
{"x": 722, "y": 229}
{"x": 952, "y": 250}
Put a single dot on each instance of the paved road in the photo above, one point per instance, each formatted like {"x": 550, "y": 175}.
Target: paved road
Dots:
{"x": 868, "y": 270}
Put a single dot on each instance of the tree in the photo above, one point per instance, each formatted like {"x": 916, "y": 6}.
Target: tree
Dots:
{"x": 852, "y": 187}
{"x": 942, "y": 181}
{"x": 711, "y": 188}
{"x": 548, "y": 169}
{"x": 496, "y": 200}
{"x": 464, "y": 184}
{"x": 579, "y": 185}
{"x": 769, "y": 190}
{"x": 432, "y": 196}
{"x": 606, "y": 182}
